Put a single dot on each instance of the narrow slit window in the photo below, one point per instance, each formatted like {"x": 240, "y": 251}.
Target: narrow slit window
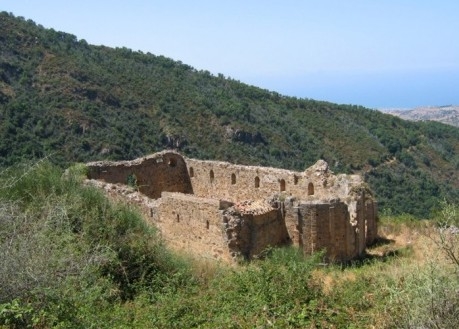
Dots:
{"x": 282, "y": 185}
{"x": 212, "y": 176}
{"x": 310, "y": 189}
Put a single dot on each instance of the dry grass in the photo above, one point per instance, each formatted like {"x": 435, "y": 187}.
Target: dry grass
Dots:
{"x": 404, "y": 255}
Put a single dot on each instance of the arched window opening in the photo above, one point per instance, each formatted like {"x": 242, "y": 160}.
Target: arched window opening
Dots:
{"x": 282, "y": 185}
{"x": 207, "y": 224}
{"x": 191, "y": 172}
{"x": 233, "y": 179}
{"x": 212, "y": 176}
{"x": 310, "y": 189}
{"x": 178, "y": 218}
{"x": 257, "y": 182}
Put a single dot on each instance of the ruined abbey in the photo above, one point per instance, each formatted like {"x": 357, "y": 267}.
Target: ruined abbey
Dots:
{"x": 226, "y": 211}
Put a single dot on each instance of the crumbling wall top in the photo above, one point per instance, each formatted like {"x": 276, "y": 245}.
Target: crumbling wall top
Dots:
{"x": 135, "y": 162}
{"x": 253, "y": 207}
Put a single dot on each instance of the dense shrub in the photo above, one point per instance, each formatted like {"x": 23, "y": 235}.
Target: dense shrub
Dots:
{"x": 65, "y": 249}
{"x": 78, "y": 103}
{"x": 71, "y": 258}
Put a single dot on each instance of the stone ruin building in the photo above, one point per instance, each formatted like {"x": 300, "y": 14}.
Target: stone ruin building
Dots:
{"x": 226, "y": 211}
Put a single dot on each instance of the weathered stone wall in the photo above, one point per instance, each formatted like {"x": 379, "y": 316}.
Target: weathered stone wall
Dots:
{"x": 268, "y": 230}
{"x": 343, "y": 228}
{"x": 169, "y": 171}
{"x": 237, "y": 183}
{"x": 251, "y": 228}
{"x": 212, "y": 230}
{"x": 189, "y": 223}
{"x": 327, "y": 226}
{"x": 371, "y": 225}
{"x": 220, "y": 210}
{"x": 291, "y": 217}
{"x": 164, "y": 171}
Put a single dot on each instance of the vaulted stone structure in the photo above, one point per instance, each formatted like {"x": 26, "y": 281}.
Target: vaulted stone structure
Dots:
{"x": 226, "y": 211}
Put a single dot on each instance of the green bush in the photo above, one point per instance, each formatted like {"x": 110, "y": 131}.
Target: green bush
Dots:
{"x": 427, "y": 295}
{"x": 425, "y": 298}
{"x": 68, "y": 253}
{"x": 71, "y": 258}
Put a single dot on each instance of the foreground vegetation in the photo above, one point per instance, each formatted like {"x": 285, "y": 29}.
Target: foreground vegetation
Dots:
{"x": 61, "y": 96}
{"x": 71, "y": 258}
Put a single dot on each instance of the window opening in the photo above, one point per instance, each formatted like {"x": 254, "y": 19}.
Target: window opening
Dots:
{"x": 282, "y": 185}
{"x": 310, "y": 189}
{"x": 212, "y": 176}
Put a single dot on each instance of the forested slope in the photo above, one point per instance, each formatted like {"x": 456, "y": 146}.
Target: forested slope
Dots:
{"x": 63, "y": 98}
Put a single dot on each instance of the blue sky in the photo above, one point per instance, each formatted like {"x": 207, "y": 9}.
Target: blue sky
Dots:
{"x": 379, "y": 54}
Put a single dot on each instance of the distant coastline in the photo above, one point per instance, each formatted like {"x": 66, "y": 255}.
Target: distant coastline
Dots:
{"x": 447, "y": 114}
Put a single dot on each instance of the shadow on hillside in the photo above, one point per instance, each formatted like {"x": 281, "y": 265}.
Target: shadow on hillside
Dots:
{"x": 381, "y": 241}
{"x": 382, "y": 250}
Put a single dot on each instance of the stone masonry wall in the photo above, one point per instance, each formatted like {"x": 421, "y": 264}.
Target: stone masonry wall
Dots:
{"x": 212, "y": 230}
{"x": 221, "y": 210}
{"x": 291, "y": 218}
{"x": 237, "y": 183}
{"x": 371, "y": 226}
{"x": 189, "y": 223}
{"x": 327, "y": 226}
{"x": 164, "y": 171}
{"x": 251, "y": 230}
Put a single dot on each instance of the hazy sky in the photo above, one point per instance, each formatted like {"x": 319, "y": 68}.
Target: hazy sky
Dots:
{"x": 386, "y": 53}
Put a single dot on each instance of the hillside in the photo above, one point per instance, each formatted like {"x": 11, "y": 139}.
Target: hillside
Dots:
{"x": 71, "y": 258}
{"x": 448, "y": 114}
{"x": 63, "y": 98}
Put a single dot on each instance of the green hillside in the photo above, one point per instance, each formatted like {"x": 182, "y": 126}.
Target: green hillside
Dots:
{"x": 72, "y": 258}
{"x": 74, "y": 102}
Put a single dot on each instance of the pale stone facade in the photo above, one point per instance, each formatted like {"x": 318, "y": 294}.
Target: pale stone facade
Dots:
{"x": 225, "y": 211}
